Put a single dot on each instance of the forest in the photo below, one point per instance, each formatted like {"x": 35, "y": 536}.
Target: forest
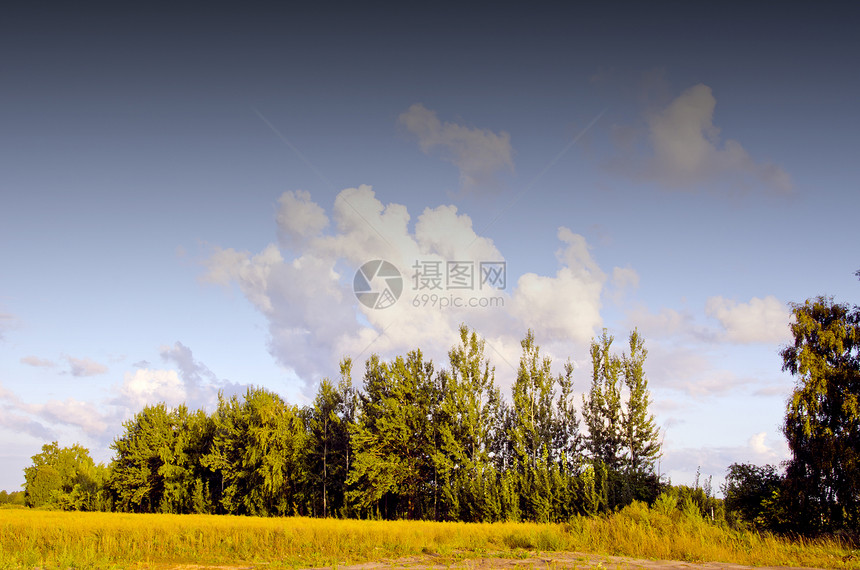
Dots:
{"x": 417, "y": 442}
{"x": 413, "y": 442}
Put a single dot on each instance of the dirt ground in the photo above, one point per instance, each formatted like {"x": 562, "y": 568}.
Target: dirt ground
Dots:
{"x": 540, "y": 561}
{"x": 550, "y": 561}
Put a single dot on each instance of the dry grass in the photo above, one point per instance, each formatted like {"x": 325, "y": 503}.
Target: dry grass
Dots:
{"x": 31, "y": 538}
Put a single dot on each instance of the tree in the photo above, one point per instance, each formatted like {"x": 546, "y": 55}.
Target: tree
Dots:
{"x": 822, "y": 422}
{"x": 258, "y": 454}
{"x": 137, "y": 476}
{"x": 328, "y": 455}
{"x": 467, "y": 430}
{"x": 43, "y": 486}
{"x": 749, "y": 490}
{"x": 66, "y": 478}
{"x": 602, "y": 408}
{"x": 393, "y": 439}
{"x": 639, "y": 429}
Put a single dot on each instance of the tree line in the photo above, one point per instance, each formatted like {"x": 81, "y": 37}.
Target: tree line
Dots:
{"x": 817, "y": 490}
{"x": 412, "y": 441}
{"x": 417, "y": 442}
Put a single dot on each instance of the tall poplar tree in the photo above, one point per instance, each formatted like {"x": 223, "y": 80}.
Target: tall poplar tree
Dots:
{"x": 602, "y": 407}
{"x": 533, "y": 429}
{"x": 467, "y": 427}
{"x": 328, "y": 454}
{"x": 641, "y": 436}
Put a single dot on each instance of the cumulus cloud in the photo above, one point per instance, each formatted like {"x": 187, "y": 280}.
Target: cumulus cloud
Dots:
{"x": 758, "y": 321}
{"x": 567, "y": 305}
{"x": 199, "y": 384}
{"x": 479, "y": 154}
{"x": 186, "y": 381}
{"x": 299, "y": 218}
{"x": 85, "y": 367}
{"x": 688, "y": 152}
{"x": 146, "y": 387}
{"x": 315, "y": 319}
{"x": 38, "y": 362}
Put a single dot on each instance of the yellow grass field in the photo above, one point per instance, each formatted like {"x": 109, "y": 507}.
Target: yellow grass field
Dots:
{"x": 52, "y": 539}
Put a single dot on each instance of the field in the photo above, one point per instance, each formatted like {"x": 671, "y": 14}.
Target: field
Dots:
{"x": 51, "y": 539}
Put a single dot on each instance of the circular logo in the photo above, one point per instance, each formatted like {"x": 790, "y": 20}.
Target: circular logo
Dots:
{"x": 377, "y": 284}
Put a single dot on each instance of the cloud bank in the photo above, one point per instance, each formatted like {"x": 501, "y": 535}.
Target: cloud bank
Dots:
{"x": 303, "y": 286}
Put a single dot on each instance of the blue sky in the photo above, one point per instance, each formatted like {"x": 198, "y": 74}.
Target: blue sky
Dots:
{"x": 186, "y": 194}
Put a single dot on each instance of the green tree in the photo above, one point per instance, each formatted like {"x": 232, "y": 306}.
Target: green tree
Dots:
{"x": 543, "y": 431}
{"x": 137, "y": 476}
{"x": 328, "y": 455}
{"x": 822, "y": 422}
{"x": 393, "y": 439}
{"x": 749, "y": 490}
{"x": 641, "y": 436}
{"x": 44, "y": 486}
{"x": 66, "y": 478}
{"x": 602, "y": 408}
{"x": 258, "y": 455}
{"x": 467, "y": 430}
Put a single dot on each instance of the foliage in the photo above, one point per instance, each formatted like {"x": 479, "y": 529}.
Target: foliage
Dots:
{"x": 622, "y": 434}
{"x": 414, "y": 442}
{"x": 749, "y": 490}
{"x": 822, "y": 422}
{"x": 65, "y": 478}
{"x": 639, "y": 429}
{"x": 392, "y": 439}
{"x": 15, "y": 498}
{"x": 329, "y": 419}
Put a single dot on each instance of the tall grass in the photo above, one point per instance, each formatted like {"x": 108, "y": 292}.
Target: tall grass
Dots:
{"x": 30, "y": 538}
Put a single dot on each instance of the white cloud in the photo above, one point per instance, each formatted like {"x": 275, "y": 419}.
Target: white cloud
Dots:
{"x": 567, "y": 305}
{"x": 688, "y": 152}
{"x": 478, "y": 153}
{"x": 85, "y": 367}
{"x": 315, "y": 319}
{"x": 193, "y": 384}
{"x": 15, "y": 417}
{"x": 145, "y": 387}
{"x": 200, "y": 384}
{"x": 38, "y": 362}
{"x": 624, "y": 277}
{"x": 758, "y": 321}
{"x": 666, "y": 323}
{"x": 71, "y": 412}
{"x": 299, "y": 218}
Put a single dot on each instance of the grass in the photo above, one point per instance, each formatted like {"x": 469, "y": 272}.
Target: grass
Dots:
{"x": 53, "y": 539}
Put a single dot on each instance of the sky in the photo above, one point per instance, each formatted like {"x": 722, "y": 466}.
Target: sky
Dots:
{"x": 187, "y": 194}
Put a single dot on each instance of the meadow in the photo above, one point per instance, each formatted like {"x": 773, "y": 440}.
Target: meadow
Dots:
{"x": 56, "y": 539}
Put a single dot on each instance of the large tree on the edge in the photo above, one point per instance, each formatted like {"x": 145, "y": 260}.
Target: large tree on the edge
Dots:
{"x": 822, "y": 422}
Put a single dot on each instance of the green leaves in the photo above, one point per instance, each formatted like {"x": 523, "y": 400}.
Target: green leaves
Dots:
{"x": 822, "y": 422}
{"x": 415, "y": 442}
{"x": 65, "y": 478}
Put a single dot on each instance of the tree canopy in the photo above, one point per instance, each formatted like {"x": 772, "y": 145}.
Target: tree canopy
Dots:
{"x": 413, "y": 441}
